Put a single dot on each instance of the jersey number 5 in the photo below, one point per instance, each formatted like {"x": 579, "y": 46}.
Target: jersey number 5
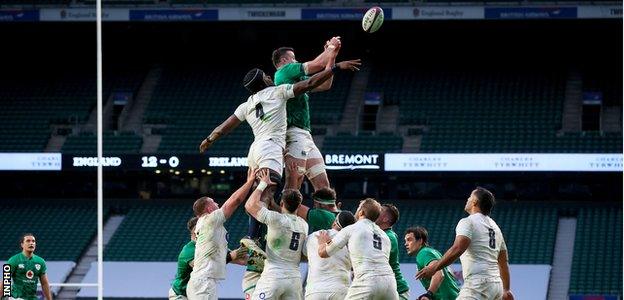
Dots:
{"x": 492, "y": 238}
{"x": 294, "y": 241}
{"x": 376, "y": 241}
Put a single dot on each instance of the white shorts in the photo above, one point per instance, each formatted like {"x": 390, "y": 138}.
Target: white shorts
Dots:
{"x": 481, "y": 289}
{"x": 266, "y": 154}
{"x": 299, "y": 144}
{"x": 338, "y": 295}
{"x": 373, "y": 287}
{"x": 283, "y": 288}
{"x": 174, "y": 296}
{"x": 250, "y": 280}
{"x": 202, "y": 289}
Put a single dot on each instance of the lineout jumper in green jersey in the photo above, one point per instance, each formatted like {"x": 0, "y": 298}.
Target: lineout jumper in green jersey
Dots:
{"x": 297, "y": 109}
{"x": 402, "y": 286}
{"x": 184, "y": 269}
{"x": 449, "y": 289}
{"x": 25, "y": 274}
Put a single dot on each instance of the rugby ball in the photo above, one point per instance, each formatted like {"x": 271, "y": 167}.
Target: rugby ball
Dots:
{"x": 373, "y": 19}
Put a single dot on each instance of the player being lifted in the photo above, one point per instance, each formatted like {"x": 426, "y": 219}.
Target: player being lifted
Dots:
{"x": 286, "y": 236}
{"x": 481, "y": 248}
{"x": 328, "y": 278}
{"x": 265, "y": 111}
{"x": 300, "y": 147}
{"x": 211, "y": 245}
{"x": 369, "y": 252}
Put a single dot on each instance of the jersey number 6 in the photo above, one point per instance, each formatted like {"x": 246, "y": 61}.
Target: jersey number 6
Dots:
{"x": 492, "y": 238}
{"x": 294, "y": 241}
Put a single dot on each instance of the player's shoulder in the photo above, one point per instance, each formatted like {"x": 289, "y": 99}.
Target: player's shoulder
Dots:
{"x": 39, "y": 259}
{"x": 15, "y": 258}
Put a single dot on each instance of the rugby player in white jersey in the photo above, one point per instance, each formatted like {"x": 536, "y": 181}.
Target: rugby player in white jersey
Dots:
{"x": 481, "y": 248}
{"x": 211, "y": 245}
{"x": 265, "y": 111}
{"x": 328, "y": 278}
{"x": 369, "y": 251}
{"x": 286, "y": 236}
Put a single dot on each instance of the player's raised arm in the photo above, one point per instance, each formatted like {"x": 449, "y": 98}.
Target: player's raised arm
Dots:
{"x": 224, "y": 128}
{"x": 319, "y": 78}
{"x": 331, "y": 60}
{"x": 253, "y": 204}
{"x": 316, "y": 65}
{"x": 231, "y": 204}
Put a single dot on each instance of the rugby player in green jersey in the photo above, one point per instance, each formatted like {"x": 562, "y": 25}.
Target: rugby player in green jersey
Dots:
{"x": 300, "y": 147}
{"x": 27, "y": 269}
{"x": 442, "y": 285}
{"x": 388, "y": 217}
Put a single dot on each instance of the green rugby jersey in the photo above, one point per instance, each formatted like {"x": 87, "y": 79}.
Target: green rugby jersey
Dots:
{"x": 25, "y": 273}
{"x": 297, "y": 109}
{"x": 184, "y": 269}
{"x": 449, "y": 289}
{"x": 402, "y": 285}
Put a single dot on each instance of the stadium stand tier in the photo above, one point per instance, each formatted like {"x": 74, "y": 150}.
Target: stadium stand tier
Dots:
{"x": 63, "y": 231}
{"x": 597, "y": 262}
{"x": 486, "y": 111}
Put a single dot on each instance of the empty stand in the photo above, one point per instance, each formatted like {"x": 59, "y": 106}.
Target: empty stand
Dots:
{"x": 62, "y": 231}
{"x": 597, "y": 263}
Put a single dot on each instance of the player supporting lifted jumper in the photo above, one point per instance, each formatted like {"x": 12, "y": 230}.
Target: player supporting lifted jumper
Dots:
{"x": 27, "y": 269}
{"x": 286, "y": 236}
{"x": 211, "y": 246}
{"x": 482, "y": 250}
{"x": 300, "y": 147}
{"x": 442, "y": 285}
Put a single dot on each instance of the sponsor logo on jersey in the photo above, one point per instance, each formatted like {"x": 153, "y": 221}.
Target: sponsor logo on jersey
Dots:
{"x": 30, "y": 274}
{"x": 20, "y": 266}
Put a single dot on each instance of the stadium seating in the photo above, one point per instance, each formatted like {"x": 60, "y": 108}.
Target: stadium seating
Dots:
{"x": 597, "y": 263}
{"x": 31, "y": 105}
{"x": 362, "y": 143}
{"x": 62, "y": 231}
{"x": 86, "y": 143}
{"x": 485, "y": 111}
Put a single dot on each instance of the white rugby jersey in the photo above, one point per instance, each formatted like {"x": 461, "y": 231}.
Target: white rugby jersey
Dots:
{"x": 210, "y": 247}
{"x": 480, "y": 260}
{"x": 285, "y": 239}
{"x": 369, "y": 248}
{"x": 327, "y": 274}
{"x": 265, "y": 111}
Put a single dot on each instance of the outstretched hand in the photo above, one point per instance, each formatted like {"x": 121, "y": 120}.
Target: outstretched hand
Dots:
{"x": 265, "y": 175}
{"x": 251, "y": 174}
{"x": 352, "y": 65}
{"x": 426, "y": 272}
{"x": 205, "y": 144}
